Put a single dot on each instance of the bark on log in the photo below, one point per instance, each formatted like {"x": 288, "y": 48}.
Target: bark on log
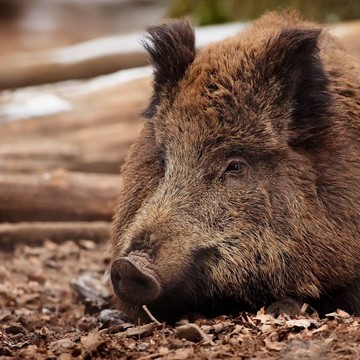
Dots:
{"x": 58, "y": 196}
{"x": 35, "y": 233}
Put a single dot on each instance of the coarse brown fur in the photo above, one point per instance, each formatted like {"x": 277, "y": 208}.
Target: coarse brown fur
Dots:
{"x": 243, "y": 187}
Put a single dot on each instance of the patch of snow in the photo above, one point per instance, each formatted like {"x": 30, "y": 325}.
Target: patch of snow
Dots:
{"x": 27, "y": 106}
{"x": 338, "y": 31}
{"x": 111, "y": 45}
{"x": 208, "y": 34}
{"x": 110, "y": 80}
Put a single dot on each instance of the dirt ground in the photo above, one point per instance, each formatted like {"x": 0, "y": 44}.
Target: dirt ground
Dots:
{"x": 54, "y": 304}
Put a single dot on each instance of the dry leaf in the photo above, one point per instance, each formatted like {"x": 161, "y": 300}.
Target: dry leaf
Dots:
{"x": 300, "y": 323}
{"x": 264, "y": 318}
{"x": 276, "y": 346}
{"x": 91, "y": 341}
{"x": 62, "y": 345}
{"x": 340, "y": 314}
{"x": 320, "y": 329}
{"x": 266, "y": 328}
{"x": 138, "y": 331}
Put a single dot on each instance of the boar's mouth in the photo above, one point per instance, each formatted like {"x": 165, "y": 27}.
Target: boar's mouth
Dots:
{"x": 135, "y": 284}
{"x": 184, "y": 302}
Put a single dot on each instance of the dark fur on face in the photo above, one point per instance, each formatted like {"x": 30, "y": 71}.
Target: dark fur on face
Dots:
{"x": 242, "y": 189}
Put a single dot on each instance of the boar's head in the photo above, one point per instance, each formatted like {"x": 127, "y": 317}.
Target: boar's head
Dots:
{"x": 222, "y": 207}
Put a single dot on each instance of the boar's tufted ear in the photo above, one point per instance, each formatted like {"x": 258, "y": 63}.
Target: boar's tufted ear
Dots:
{"x": 294, "y": 57}
{"x": 172, "y": 49}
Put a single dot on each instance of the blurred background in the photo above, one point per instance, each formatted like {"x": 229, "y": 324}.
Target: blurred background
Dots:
{"x": 73, "y": 80}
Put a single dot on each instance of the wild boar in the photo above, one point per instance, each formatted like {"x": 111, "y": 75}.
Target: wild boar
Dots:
{"x": 242, "y": 190}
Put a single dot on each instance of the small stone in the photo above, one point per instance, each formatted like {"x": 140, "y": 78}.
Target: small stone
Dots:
{"x": 112, "y": 317}
{"x": 192, "y": 332}
{"x": 92, "y": 287}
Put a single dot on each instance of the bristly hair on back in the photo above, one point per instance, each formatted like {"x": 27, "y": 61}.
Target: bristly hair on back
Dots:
{"x": 172, "y": 49}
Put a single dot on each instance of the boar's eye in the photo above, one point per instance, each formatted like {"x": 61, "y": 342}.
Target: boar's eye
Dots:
{"x": 236, "y": 165}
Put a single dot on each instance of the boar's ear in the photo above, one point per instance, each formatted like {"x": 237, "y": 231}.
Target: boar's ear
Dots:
{"x": 294, "y": 56}
{"x": 172, "y": 49}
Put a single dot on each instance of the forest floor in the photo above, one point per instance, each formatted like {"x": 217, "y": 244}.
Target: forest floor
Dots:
{"x": 54, "y": 304}
{"x": 54, "y": 299}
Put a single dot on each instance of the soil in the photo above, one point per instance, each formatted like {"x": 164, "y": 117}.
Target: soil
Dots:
{"x": 55, "y": 304}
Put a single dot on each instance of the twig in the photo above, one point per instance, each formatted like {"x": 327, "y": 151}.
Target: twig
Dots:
{"x": 150, "y": 315}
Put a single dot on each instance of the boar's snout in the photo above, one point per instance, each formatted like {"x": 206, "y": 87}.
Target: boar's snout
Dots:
{"x": 133, "y": 281}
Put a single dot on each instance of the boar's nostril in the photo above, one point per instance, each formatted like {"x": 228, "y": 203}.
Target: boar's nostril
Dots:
{"x": 133, "y": 283}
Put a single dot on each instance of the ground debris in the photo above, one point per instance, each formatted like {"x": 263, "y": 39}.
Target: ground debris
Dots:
{"x": 139, "y": 331}
{"x": 91, "y": 286}
{"x": 62, "y": 345}
{"x": 192, "y": 332}
{"x": 43, "y": 315}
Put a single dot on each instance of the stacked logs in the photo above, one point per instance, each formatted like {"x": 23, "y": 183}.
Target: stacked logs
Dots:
{"x": 61, "y": 148}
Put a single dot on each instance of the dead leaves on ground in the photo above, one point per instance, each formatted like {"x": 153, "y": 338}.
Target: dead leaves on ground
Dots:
{"x": 54, "y": 305}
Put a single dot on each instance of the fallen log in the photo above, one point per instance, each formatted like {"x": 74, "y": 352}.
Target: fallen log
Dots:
{"x": 35, "y": 233}
{"x": 80, "y": 125}
{"x": 58, "y": 196}
{"x": 45, "y": 156}
{"x": 53, "y": 66}
{"x": 58, "y": 109}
